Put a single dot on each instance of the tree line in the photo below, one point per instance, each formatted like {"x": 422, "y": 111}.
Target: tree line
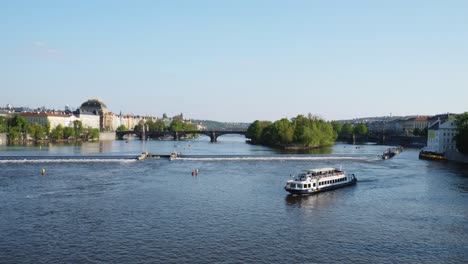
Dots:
{"x": 159, "y": 126}
{"x": 302, "y": 131}
{"x": 18, "y": 128}
{"x": 461, "y": 121}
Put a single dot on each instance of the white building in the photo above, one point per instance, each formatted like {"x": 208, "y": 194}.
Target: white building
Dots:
{"x": 88, "y": 119}
{"x": 441, "y": 136}
{"x": 42, "y": 119}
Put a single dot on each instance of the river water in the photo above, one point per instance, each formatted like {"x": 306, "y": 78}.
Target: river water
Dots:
{"x": 107, "y": 208}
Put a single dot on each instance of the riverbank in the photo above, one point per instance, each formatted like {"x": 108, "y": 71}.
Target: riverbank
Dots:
{"x": 449, "y": 155}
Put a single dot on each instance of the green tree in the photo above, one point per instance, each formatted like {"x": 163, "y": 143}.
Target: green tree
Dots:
{"x": 337, "y": 127}
{"x": 461, "y": 122}
{"x": 327, "y": 134}
{"x": 347, "y": 130}
{"x": 309, "y": 131}
{"x": 417, "y": 132}
{"x": 68, "y": 132}
{"x": 177, "y": 125}
{"x": 255, "y": 131}
{"x": 77, "y": 128}
{"x": 424, "y": 132}
{"x": 14, "y": 133}
{"x": 269, "y": 136}
{"x": 306, "y": 136}
{"x": 3, "y": 124}
{"x": 285, "y": 131}
{"x": 139, "y": 127}
{"x": 56, "y": 133}
{"x": 122, "y": 128}
{"x": 158, "y": 126}
{"x": 93, "y": 133}
{"x": 360, "y": 129}
{"x": 300, "y": 123}
{"x": 36, "y": 131}
{"x": 20, "y": 122}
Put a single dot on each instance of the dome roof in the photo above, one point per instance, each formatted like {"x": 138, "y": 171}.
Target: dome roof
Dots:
{"x": 94, "y": 104}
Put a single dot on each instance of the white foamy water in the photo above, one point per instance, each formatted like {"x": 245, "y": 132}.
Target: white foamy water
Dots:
{"x": 277, "y": 158}
{"x": 66, "y": 160}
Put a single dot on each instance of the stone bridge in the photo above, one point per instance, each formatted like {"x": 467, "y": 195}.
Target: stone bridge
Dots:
{"x": 177, "y": 135}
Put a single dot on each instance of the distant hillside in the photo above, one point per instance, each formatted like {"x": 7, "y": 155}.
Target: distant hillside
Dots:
{"x": 215, "y": 125}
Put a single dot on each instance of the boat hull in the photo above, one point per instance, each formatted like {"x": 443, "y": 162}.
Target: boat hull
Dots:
{"x": 323, "y": 189}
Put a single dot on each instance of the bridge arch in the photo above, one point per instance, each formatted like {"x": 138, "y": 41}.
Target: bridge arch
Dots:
{"x": 177, "y": 135}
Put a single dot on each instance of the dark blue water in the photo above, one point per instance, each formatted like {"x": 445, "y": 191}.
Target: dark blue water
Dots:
{"x": 402, "y": 210}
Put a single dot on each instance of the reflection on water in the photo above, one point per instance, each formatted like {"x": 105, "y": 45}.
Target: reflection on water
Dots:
{"x": 318, "y": 200}
{"x": 321, "y": 150}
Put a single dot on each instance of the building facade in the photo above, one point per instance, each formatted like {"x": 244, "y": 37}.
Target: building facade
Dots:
{"x": 410, "y": 124}
{"x": 441, "y": 136}
{"x": 44, "y": 118}
{"x": 88, "y": 119}
{"x": 98, "y": 107}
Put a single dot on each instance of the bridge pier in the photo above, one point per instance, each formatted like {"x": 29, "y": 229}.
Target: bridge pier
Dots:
{"x": 176, "y": 136}
{"x": 213, "y": 137}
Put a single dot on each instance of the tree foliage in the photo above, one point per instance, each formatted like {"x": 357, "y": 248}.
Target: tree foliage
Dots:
{"x": 36, "y": 131}
{"x": 68, "y": 132}
{"x": 461, "y": 122}
{"x": 178, "y": 125}
{"x": 337, "y": 126}
{"x": 15, "y": 133}
{"x": 18, "y": 127}
{"x": 139, "y": 127}
{"x": 122, "y": 128}
{"x": 309, "y": 131}
{"x": 360, "y": 129}
{"x": 347, "y": 130}
{"x": 255, "y": 131}
{"x": 20, "y": 122}
{"x": 3, "y": 124}
{"x": 156, "y": 126}
{"x": 77, "y": 128}
{"x": 93, "y": 133}
{"x": 56, "y": 133}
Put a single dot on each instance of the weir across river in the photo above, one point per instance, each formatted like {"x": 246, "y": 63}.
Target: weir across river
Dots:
{"x": 177, "y": 135}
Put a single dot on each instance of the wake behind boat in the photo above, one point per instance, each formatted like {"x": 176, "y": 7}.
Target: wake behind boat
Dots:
{"x": 319, "y": 180}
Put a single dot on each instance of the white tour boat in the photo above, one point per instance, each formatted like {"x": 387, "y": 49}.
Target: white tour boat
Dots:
{"x": 319, "y": 180}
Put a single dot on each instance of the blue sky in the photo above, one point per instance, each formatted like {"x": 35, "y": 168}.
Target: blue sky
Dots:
{"x": 237, "y": 60}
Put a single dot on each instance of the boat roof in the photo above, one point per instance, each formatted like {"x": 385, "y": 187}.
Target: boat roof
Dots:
{"x": 321, "y": 170}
